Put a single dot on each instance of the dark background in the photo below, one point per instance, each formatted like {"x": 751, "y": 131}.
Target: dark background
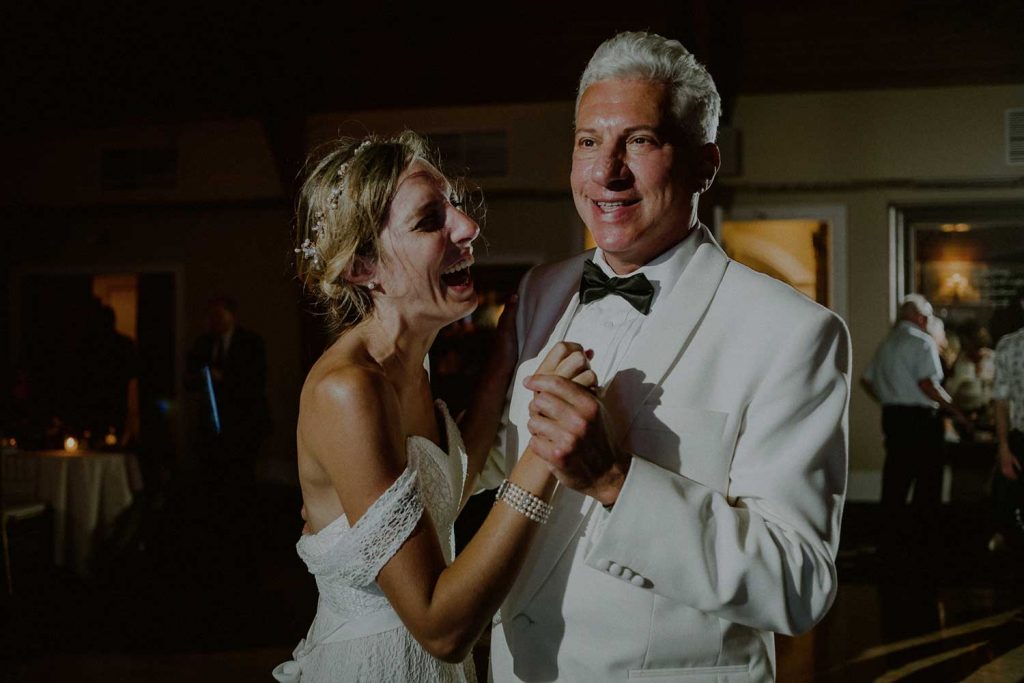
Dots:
{"x": 180, "y": 578}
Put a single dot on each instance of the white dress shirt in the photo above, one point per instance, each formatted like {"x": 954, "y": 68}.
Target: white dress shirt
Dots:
{"x": 609, "y": 325}
{"x": 904, "y": 358}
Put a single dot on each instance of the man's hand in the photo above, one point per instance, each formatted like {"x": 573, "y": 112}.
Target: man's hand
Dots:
{"x": 1009, "y": 465}
{"x": 569, "y": 432}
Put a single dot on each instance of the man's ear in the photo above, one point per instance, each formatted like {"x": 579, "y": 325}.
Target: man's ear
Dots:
{"x": 361, "y": 271}
{"x": 709, "y": 160}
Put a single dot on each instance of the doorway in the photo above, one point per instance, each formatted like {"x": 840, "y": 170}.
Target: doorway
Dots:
{"x": 93, "y": 351}
{"x": 805, "y": 247}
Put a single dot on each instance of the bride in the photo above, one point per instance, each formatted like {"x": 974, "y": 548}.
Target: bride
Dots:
{"x": 384, "y": 470}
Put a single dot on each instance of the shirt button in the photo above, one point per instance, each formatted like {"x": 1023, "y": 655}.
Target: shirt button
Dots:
{"x": 637, "y": 580}
{"x": 615, "y": 569}
{"x": 603, "y": 565}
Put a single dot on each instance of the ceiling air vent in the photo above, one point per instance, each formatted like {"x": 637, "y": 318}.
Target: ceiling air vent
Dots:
{"x": 1015, "y": 136}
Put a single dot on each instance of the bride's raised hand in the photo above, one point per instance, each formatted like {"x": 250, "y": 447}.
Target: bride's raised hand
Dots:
{"x": 571, "y": 361}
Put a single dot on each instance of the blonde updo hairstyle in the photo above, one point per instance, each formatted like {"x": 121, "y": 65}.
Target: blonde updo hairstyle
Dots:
{"x": 342, "y": 208}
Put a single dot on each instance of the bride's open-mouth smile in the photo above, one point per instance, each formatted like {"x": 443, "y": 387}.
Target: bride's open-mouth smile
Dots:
{"x": 458, "y": 276}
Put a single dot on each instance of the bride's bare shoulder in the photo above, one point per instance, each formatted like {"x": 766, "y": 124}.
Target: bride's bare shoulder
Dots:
{"x": 346, "y": 380}
{"x": 348, "y": 438}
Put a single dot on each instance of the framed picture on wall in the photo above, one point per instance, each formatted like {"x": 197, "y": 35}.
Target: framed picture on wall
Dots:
{"x": 967, "y": 259}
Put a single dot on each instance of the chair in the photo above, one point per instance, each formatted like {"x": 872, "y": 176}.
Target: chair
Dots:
{"x": 17, "y": 500}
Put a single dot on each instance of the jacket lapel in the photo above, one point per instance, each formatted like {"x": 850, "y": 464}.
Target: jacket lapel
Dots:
{"x": 552, "y": 314}
{"x": 666, "y": 334}
{"x": 650, "y": 358}
{"x": 548, "y": 326}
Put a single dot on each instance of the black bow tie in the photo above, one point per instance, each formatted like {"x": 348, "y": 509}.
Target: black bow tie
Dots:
{"x": 636, "y": 289}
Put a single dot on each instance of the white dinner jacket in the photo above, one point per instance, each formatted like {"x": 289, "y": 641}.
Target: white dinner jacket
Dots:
{"x": 733, "y": 400}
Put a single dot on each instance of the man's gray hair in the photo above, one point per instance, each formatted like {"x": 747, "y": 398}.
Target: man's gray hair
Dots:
{"x": 914, "y": 303}
{"x": 696, "y": 104}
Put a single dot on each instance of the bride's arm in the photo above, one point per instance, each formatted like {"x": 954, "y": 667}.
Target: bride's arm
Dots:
{"x": 480, "y": 423}
{"x": 444, "y": 607}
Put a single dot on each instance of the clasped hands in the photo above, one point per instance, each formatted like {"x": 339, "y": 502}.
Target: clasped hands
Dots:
{"x": 569, "y": 428}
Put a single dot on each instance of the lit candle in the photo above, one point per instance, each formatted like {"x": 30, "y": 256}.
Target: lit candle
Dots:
{"x": 71, "y": 444}
{"x": 110, "y": 439}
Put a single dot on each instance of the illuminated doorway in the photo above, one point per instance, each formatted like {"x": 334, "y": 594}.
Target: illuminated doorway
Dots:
{"x": 794, "y": 251}
{"x": 120, "y": 292}
{"x": 805, "y": 247}
{"x": 63, "y": 375}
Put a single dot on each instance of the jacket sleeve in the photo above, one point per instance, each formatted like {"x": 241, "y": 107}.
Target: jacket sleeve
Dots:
{"x": 763, "y": 555}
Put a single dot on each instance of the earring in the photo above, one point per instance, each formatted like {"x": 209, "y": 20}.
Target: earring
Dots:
{"x": 371, "y": 286}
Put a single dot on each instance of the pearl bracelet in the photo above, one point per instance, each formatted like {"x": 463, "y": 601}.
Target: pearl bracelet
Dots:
{"x": 523, "y": 502}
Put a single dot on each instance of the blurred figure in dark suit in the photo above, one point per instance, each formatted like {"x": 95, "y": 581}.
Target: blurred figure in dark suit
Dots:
{"x": 237, "y": 362}
{"x": 108, "y": 392}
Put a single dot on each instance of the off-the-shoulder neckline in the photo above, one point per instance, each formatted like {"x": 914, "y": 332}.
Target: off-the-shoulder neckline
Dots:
{"x": 451, "y": 431}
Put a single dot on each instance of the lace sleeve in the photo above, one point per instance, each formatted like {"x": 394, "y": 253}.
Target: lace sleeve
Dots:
{"x": 354, "y": 556}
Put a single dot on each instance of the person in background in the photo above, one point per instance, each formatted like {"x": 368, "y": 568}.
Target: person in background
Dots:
{"x": 905, "y": 377}
{"x": 237, "y": 363}
{"x": 971, "y": 377}
{"x": 948, "y": 349}
{"x": 1008, "y": 392}
{"x": 109, "y": 391}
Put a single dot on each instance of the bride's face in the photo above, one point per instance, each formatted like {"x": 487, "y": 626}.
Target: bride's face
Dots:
{"x": 426, "y": 250}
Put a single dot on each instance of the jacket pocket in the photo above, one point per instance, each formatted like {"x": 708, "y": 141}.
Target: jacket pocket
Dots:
{"x": 738, "y": 673}
{"x": 688, "y": 441}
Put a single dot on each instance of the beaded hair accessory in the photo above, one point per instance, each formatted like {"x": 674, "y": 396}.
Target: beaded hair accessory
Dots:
{"x": 308, "y": 248}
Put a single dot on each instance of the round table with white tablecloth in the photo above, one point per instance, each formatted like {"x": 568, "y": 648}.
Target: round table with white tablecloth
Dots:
{"x": 88, "y": 490}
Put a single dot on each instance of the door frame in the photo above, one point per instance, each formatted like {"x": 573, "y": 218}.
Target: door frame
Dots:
{"x": 18, "y": 275}
{"x": 834, "y": 214}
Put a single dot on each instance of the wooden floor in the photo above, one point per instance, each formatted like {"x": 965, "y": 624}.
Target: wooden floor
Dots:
{"x": 202, "y": 587}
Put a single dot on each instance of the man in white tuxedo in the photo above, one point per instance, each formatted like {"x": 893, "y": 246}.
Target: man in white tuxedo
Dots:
{"x": 702, "y": 485}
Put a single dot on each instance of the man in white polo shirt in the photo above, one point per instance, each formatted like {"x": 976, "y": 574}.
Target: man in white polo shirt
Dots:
{"x": 905, "y": 376}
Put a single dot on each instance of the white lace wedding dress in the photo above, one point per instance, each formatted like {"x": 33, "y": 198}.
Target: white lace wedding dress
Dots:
{"x": 356, "y": 635}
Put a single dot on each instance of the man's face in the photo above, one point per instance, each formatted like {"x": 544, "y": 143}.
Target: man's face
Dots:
{"x": 629, "y": 179}
{"x": 220, "y": 319}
